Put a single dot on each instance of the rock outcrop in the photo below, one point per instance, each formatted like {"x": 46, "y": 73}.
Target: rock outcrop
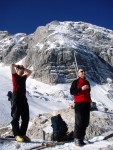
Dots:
{"x": 100, "y": 122}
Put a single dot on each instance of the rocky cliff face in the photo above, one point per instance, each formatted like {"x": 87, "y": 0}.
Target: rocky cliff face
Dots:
{"x": 52, "y": 49}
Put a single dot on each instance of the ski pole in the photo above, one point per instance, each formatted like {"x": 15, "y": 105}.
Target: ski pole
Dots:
{"x": 76, "y": 65}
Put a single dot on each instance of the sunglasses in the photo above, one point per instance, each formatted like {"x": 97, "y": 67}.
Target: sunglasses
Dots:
{"x": 81, "y": 71}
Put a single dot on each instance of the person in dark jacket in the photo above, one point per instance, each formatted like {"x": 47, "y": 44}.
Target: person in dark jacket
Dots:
{"x": 19, "y": 105}
{"x": 80, "y": 89}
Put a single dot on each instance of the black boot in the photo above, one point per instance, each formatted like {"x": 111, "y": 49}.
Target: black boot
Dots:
{"x": 82, "y": 142}
{"x": 77, "y": 142}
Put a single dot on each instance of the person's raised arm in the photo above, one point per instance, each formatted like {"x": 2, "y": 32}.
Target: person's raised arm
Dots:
{"x": 27, "y": 72}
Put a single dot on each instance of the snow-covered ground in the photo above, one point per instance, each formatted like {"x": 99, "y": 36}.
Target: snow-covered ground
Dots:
{"x": 67, "y": 146}
{"x": 46, "y": 98}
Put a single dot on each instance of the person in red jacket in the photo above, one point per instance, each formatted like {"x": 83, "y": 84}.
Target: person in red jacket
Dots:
{"x": 80, "y": 89}
{"x": 19, "y": 104}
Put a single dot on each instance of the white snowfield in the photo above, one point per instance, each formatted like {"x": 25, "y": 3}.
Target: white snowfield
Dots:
{"x": 46, "y": 98}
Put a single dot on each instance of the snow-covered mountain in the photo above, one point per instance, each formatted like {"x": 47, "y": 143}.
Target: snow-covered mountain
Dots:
{"x": 12, "y": 47}
{"x": 52, "y": 49}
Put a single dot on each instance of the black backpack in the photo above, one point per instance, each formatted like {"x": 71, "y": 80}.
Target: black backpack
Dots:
{"x": 9, "y": 94}
{"x": 59, "y": 128}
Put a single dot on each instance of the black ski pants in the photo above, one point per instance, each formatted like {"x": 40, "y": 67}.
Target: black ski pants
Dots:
{"x": 19, "y": 108}
{"x": 82, "y": 116}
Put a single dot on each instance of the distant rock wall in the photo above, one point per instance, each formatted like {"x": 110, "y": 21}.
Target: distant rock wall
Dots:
{"x": 53, "y": 48}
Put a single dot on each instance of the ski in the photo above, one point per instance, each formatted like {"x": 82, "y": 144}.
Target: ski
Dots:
{"x": 3, "y": 139}
{"x": 46, "y": 145}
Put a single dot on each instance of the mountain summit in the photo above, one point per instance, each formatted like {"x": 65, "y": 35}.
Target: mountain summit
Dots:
{"x": 52, "y": 50}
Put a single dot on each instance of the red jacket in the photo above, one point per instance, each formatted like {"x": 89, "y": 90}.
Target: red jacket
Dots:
{"x": 19, "y": 83}
{"x": 76, "y": 91}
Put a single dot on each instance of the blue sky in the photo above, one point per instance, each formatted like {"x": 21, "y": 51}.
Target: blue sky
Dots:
{"x": 26, "y": 15}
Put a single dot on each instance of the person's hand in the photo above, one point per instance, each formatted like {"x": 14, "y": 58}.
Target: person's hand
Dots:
{"x": 71, "y": 106}
{"x": 85, "y": 87}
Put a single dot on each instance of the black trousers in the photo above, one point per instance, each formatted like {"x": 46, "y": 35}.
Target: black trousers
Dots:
{"x": 19, "y": 108}
{"x": 82, "y": 116}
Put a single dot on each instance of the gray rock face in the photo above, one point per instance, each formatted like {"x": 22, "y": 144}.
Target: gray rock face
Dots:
{"x": 3, "y": 34}
{"x": 52, "y": 49}
{"x": 12, "y": 47}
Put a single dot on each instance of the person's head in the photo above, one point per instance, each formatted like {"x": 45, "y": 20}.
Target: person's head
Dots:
{"x": 20, "y": 70}
{"x": 81, "y": 73}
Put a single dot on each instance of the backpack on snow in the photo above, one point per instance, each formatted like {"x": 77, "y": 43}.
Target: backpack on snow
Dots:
{"x": 59, "y": 128}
